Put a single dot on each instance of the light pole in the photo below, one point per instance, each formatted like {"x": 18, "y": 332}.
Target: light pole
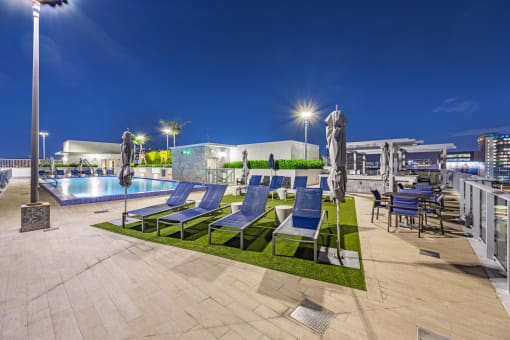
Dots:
{"x": 44, "y": 134}
{"x": 34, "y": 168}
{"x": 306, "y": 115}
{"x": 167, "y": 133}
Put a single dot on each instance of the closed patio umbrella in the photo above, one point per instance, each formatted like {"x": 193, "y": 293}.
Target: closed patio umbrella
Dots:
{"x": 246, "y": 169}
{"x": 270, "y": 162}
{"x": 127, "y": 154}
{"x": 337, "y": 180}
{"x": 385, "y": 164}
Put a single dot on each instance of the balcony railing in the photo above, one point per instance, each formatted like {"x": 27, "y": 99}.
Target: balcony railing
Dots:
{"x": 486, "y": 209}
{"x": 15, "y": 163}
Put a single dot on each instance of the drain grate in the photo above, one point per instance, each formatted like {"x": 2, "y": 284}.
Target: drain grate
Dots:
{"x": 313, "y": 316}
{"x": 425, "y": 334}
{"x": 429, "y": 253}
{"x": 101, "y": 211}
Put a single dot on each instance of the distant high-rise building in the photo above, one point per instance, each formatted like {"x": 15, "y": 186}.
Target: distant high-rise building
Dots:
{"x": 496, "y": 149}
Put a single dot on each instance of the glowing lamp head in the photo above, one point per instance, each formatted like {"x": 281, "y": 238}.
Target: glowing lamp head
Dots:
{"x": 167, "y": 131}
{"x": 306, "y": 114}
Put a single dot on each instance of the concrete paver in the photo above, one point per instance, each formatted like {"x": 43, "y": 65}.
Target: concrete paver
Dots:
{"x": 79, "y": 282}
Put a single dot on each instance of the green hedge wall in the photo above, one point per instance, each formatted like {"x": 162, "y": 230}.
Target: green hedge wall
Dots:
{"x": 280, "y": 164}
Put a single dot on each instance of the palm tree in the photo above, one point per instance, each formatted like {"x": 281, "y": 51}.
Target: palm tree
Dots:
{"x": 172, "y": 127}
{"x": 141, "y": 139}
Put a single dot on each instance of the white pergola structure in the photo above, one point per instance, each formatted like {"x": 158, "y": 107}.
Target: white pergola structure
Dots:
{"x": 441, "y": 149}
{"x": 398, "y": 148}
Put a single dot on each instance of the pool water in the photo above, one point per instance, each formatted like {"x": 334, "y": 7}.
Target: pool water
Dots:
{"x": 107, "y": 186}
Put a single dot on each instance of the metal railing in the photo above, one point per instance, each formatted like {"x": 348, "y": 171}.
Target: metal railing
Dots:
{"x": 15, "y": 162}
{"x": 218, "y": 176}
{"x": 486, "y": 210}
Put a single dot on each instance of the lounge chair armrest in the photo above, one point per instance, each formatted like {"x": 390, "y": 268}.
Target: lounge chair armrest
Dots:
{"x": 268, "y": 211}
{"x": 324, "y": 213}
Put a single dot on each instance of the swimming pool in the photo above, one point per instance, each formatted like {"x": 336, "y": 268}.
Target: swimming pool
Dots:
{"x": 79, "y": 190}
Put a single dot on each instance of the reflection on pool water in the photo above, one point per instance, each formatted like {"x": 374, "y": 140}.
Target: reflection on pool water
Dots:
{"x": 106, "y": 186}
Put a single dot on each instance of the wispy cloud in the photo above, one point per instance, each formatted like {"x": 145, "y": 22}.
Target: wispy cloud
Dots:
{"x": 457, "y": 105}
{"x": 481, "y": 131}
{"x": 109, "y": 47}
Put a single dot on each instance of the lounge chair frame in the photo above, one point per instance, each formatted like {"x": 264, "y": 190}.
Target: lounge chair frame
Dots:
{"x": 240, "y": 230}
{"x": 171, "y": 222}
{"x": 313, "y": 240}
{"x": 163, "y": 208}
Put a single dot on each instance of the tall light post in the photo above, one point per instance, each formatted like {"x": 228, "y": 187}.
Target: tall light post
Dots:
{"x": 34, "y": 169}
{"x": 306, "y": 115}
{"x": 44, "y": 134}
{"x": 167, "y": 132}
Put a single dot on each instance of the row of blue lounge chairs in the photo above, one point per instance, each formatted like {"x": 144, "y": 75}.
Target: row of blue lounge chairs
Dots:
{"x": 278, "y": 182}
{"x": 76, "y": 173}
{"x": 302, "y": 225}
{"x": 5, "y": 177}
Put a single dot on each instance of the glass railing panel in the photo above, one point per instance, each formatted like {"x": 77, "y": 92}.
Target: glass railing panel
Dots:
{"x": 501, "y": 229}
{"x": 483, "y": 215}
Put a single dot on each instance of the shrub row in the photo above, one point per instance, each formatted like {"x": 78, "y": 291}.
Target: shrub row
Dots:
{"x": 279, "y": 163}
{"x": 158, "y": 158}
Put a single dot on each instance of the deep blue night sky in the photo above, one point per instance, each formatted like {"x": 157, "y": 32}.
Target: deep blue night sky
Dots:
{"x": 436, "y": 70}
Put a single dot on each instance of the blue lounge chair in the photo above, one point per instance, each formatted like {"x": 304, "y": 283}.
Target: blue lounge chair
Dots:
{"x": 99, "y": 172}
{"x": 210, "y": 203}
{"x": 286, "y": 182}
{"x": 325, "y": 186}
{"x": 265, "y": 180}
{"x": 42, "y": 173}
{"x": 74, "y": 173}
{"x": 252, "y": 210}
{"x": 5, "y": 176}
{"x": 109, "y": 172}
{"x": 87, "y": 172}
{"x": 60, "y": 173}
{"x": 276, "y": 183}
{"x": 177, "y": 200}
{"x": 299, "y": 182}
{"x": 303, "y": 225}
{"x": 255, "y": 180}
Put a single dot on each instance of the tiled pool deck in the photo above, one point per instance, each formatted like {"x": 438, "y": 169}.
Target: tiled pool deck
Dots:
{"x": 79, "y": 282}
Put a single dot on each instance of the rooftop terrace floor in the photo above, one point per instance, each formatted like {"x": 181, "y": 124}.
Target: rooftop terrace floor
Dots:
{"x": 79, "y": 282}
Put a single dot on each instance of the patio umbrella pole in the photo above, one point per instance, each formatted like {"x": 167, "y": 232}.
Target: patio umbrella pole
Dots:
{"x": 338, "y": 231}
{"x": 125, "y": 208}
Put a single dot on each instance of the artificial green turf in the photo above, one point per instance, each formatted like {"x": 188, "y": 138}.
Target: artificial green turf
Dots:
{"x": 292, "y": 257}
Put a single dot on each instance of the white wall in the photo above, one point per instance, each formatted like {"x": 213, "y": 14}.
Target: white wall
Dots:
{"x": 281, "y": 150}
{"x": 91, "y": 147}
{"x": 20, "y": 172}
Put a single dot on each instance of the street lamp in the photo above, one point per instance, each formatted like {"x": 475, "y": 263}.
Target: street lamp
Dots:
{"x": 167, "y": 132}
{"x": 306, "y": 115}
{"x": 44, "y": 134}
{"x": 34, "y": 168}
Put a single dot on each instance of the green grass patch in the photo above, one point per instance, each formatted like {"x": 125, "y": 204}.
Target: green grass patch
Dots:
{"x": 292, "y": 257}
